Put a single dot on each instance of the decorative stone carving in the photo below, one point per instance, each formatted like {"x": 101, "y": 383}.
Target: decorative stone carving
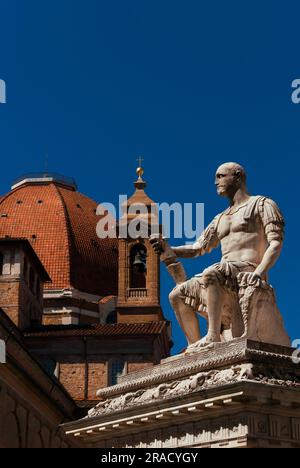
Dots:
{"x": 263, "y": 366}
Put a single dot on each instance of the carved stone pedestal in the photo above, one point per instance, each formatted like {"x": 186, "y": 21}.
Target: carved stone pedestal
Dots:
{"x": 237, "y": 394}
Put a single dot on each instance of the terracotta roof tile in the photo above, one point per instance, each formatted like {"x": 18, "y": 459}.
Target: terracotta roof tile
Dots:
{"x": 120, "y": 329}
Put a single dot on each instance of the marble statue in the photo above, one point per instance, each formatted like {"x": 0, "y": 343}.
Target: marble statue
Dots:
{"x": 233, "y": 295}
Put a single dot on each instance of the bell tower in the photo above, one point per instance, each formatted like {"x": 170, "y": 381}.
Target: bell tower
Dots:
{"x": 139, "y": 266}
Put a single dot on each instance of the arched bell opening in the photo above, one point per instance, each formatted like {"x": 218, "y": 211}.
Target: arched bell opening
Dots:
{"x": 138, "y": 267}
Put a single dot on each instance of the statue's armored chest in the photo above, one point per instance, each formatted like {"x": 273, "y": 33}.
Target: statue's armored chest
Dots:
{"x": 234, "y": 221}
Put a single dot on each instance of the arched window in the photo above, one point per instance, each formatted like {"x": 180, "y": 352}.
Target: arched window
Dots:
{"x": 1, "y": 263}
{"x": 115, "y": 371}
{"x": 138, "y": 267}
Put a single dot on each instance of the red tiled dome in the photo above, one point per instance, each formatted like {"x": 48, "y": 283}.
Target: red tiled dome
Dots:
{"x": 60, "y": 224}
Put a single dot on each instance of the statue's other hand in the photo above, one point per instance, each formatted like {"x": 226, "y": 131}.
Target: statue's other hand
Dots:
{"x": 248, "y": 278}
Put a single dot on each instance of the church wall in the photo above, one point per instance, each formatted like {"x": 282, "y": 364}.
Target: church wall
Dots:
{"x": 72, "y": 375}
{"x": 9, "y": 294}
{"x": 97, "y": 376}
{"x": 136, "y": 366}
{"x": 18, "y": 302}
{"x": 84, "y": 369}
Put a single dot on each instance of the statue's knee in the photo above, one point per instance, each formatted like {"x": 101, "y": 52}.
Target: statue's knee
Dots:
{"x": 209, "y": 278}
{"x": 174, "y": 296}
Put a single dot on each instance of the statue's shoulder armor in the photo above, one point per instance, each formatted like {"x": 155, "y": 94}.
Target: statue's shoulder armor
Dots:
{"x": 270, "y": 215}
{"x": 253, "y": 207}
{"x": 269, "y": 210}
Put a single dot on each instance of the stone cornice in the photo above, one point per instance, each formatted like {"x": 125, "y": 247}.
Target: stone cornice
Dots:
{"x": 215, "y": 357}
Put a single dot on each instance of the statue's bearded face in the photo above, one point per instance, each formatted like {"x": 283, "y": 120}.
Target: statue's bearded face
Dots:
{"x": 227, "y": 181}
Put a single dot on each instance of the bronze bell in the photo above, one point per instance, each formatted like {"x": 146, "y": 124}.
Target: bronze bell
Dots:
{"x": 140, "y": 262}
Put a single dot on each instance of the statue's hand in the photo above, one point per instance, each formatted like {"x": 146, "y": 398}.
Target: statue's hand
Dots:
{"x": 248, "y": 278}
{"x": 157, "y": 244}
{"x": 162, "y": 248}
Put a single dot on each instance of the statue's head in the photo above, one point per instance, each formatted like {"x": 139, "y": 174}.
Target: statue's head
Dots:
{"x": 230, "y": 177}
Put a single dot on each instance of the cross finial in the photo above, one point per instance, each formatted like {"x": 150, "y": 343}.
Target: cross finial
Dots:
{"x": 140, "y": 170}
{"x": 140, "y": 160}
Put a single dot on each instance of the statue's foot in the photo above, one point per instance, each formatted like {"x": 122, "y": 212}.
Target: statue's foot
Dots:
{"x": 208, "y": 340}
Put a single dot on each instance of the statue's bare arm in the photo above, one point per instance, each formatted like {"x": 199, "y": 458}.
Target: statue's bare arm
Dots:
{"x": 206, "y": 242}
{"x": 273, "y": 222}
{"x": 270, "y": 257}
{"x": 169, "y": 254}
{"x": 188, "y": 251}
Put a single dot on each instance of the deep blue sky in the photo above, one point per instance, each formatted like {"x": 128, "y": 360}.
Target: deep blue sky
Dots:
{"x": 186, "y": 84}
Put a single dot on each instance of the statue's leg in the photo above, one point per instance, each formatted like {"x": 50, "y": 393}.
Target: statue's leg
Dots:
{"x": 186, "y": 317}
{"x": 214, "y": 299}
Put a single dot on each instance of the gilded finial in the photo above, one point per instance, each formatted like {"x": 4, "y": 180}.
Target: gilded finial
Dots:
{"x": 140, "y": 170}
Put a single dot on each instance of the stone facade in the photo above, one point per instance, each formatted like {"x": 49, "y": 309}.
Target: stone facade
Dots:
{"x": 238, "y": 394}
{"x": 33, "y": 405}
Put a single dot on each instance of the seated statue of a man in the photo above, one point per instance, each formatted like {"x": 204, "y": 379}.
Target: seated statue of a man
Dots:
{"x": 250, "y": 233}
